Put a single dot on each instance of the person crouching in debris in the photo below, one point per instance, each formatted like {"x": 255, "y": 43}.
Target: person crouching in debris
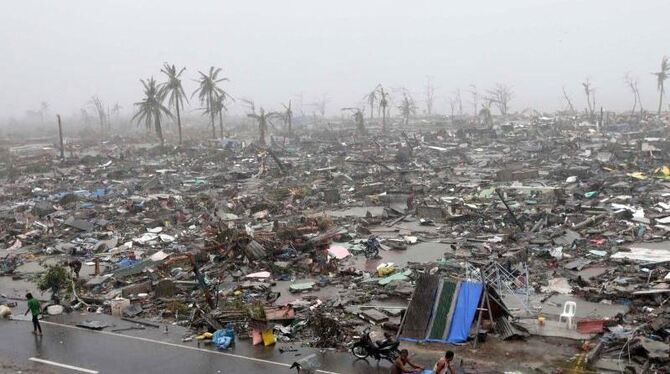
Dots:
{"x": 34, "y": 309}
{"x": 400, "y": 362}
{"x": 75, "y": 266}
{"x": 51, "y": 225}
{"x": 410, "y": 200}
{"x": 443, "y": 365}
{"x": 321, "y": 255}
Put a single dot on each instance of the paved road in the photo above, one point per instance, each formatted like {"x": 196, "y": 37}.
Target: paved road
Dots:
{"x": 85, "y": 351}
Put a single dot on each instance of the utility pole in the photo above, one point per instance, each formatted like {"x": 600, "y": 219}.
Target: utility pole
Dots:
{"x": 60, "y": 135}
{"x": 600, "y": 122}
{"x": 509, "y": 210}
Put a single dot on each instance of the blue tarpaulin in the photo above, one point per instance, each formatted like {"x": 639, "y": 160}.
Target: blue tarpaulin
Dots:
{"x": 126, "y": 262}
{"x": 464, "y": 312}
{"x": 99, "y": 192}
{"x": 222, "y": 339}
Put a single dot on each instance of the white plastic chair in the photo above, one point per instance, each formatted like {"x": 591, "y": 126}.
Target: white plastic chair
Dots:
{"x": 569, "y": 309}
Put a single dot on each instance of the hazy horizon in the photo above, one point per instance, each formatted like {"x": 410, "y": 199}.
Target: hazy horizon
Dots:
{"x": 65, "y": 52}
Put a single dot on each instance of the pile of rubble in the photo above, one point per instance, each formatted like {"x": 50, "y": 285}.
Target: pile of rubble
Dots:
{"x": 271, "y": 241}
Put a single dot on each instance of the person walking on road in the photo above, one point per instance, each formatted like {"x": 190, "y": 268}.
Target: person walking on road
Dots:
{"x": 443, "y": 365}
{"x": 34, "y": 309}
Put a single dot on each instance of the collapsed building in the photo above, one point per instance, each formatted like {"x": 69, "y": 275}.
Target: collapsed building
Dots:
{"x": 551, "y": 227}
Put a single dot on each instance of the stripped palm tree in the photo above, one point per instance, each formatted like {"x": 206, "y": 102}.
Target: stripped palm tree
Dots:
{"x": 151, "y": 109}
{"x": 174, "y": 90}
{"x": 263, "y": 119}
{"x": 384, "y": 102}
{"x": 661, "y": 76}
{"x": 407, "y": 108}
{"x": 100, "y": 111}
{"x": 359, "y": 119}
{"x": 220, "y": 107}
{"x": 208, "y": 91}
{"x": 288, "y": 117}
{"x": 116, "y": 111}
{"x": 371, "y": 99}
{"x": 632, "y": 83}
{"x": 589, "y": 91}
{"x": 485, "y": 113}
{"x": 44, "y": 109}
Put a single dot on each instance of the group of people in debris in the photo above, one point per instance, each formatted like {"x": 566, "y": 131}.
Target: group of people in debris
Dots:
{"x": 442, "y": 366}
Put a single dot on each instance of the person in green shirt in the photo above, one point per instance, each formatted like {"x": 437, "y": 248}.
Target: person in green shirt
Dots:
{"x": 34, "y": 308}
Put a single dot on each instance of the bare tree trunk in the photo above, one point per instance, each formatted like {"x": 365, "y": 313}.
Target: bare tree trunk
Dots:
{"x": 261, "y": 131}
{"x": 211, "y": 115}
{"x": 221, "y": 122}
{"x": 460, "y": 104}
{"x": 593, "y": 97}
{"x": 588, "y": 104}
{"x": 600, "y": 121}
{"x": 567, "y": 98}
{"x": 475, "y": 100}
{"x": 384, "y": 119}
{"x": 290, "y": 120}
{"x": 60, "y": 136}
{"x": 178, "y": 121}
{"x": 660, "y": 100}
{"x": 277, "y": 160}
{"x": 159, "y": 131}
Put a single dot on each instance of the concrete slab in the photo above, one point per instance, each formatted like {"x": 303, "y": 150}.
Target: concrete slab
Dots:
{"x": 553, "y": 307}
{"x": 607, "y": 365}
{"x": 592, "y": 272}
{"x": 553, "y": 329}
{"x": 374, "y": 315}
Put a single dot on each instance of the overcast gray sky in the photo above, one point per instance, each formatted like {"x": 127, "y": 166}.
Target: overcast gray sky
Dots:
{"x": 62, "y": 52}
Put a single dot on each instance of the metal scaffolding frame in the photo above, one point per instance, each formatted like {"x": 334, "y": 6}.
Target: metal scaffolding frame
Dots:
{"x": 504, "y": 282}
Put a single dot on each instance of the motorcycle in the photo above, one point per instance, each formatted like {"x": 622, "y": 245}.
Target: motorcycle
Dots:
{"x": 372, "y": 247}
{"x": 386, "y": 349}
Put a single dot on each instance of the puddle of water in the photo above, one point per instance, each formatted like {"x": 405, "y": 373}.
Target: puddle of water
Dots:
{"x": 415, "y": 226}
{"x": 29, "y": 267}
{"x": 664, "y": 245}
{"x": 577, "y": 365}
{"x": 358, "y": 211}
{"x": 286, "y": 296}
{"x": 421, "y": 252}
{"x": 17, "y": 289}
